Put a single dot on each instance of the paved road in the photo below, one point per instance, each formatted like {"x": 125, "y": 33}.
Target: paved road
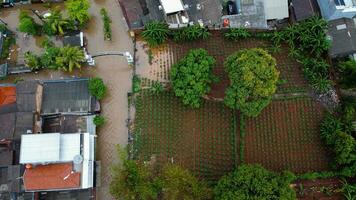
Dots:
{"x": 115, "y": 72}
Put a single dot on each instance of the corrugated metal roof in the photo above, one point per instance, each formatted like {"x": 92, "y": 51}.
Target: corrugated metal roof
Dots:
{"x": 70, "y": 147}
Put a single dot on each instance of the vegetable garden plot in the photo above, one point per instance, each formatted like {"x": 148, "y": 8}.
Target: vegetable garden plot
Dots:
{"x": 286, "y": 137}
{"x": 200, "y": 139}
{"x": 220, "y": 48}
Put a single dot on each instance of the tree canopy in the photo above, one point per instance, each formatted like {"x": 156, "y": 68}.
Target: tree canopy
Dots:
{"x": 192, "y": 76}
{"x": 253, "y": 80}
{"x": 254, "y": 182}
{"x": 70, "y": 58}
{"x": 78, "y": 11}
{"x": 28, "y": 24}
{"x": 97, "y": 87}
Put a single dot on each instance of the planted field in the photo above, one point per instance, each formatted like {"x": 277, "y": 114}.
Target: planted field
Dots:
{"x": 286, "y": 137}
{"x": 220, "y": 48}
{"x": 203, "y": 140}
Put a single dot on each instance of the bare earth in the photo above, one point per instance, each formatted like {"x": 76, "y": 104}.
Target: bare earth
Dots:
{"x": 114, "y": 70}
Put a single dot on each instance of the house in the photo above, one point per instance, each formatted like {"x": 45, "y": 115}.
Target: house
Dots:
{"x": 74, "y": 40}
{"x": 68, "y": 96}
{"x": 342, "y": 33}
{"x": 337, "y": 9}
{"x": 303, "y": 9}
{"x": 57, "y": 161}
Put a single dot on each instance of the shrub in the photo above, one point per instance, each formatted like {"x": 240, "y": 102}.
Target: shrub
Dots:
{"x": 7, "y": 43}
{"x": 48, "y": 58}
{"x": 136, "y": 84}
{"x": 97, "y": 88}
{"x": 237, "y": 34}
{"x": 32, "y": 61}
{"x": 107, "y": 24}
{"x": 78, "y": 11}
{"x": 156, "y": 87}
{"x": 99, "y": 120}
{"x": 254, "y": 182}
{"x": 69, "y": 58}
{"x": 316, "y": 72}
{"x": 191, "y": 33}
{"x": 28, "y": 25}
{"x": 192, "y": 76}
{"x": 348, "y": 74}
{"x": 253, "y": 80}
{"x": 155, "y": 33}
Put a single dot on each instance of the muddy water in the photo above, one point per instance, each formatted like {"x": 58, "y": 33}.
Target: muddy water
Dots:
{"x": 114, "y": 70}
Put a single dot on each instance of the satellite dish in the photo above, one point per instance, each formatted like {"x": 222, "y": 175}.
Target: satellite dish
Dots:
{"x": 4, "y": 188}
{"x": 78, "y": 159}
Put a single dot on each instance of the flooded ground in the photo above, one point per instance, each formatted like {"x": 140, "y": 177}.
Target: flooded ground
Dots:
{"x": 114, "y": 70}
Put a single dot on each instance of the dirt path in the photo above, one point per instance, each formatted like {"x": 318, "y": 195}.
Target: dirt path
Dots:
{"x": 115, "y": 72}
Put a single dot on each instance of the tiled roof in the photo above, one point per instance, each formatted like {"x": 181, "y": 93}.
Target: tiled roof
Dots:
{"x": 51, "y": 177}
{"x": 7, "y": 95}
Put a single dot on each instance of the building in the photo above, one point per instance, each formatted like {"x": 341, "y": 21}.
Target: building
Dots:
{"x": 336, "y": 9}
{"x": 342, "y": 33}
{"x": 303, "y": 9}
{"x": 57, "y": 161}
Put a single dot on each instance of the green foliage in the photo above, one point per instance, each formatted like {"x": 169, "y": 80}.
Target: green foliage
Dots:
{"x": 242, "y": 138}
{"x": 32, "y": 61}
{"x": 3, "y": 28}
{"x": 329, "y": 127}
{"x": 28, "y": 25}
{"x": 48, "y": 58}
{"x": 316, "y": 72}
{"x": 55, "y": 24}
{"x": 156, "y": 87}
{"x": 308, "y": 37}
{"x": 179, "y": 183}
{"x": 237, "y": 34}
{"x": 255, "y": 182}
{"x": 7, "y": 43}
{"x": 70, "y": 58}
{"x": 349, "y": 191}
{"x": 155, "y": 33}
{"x": 133, "y": 180}
{"x": 99, "y": 120}
{"x": 191, "y": 33}
{"x": 192, "y": 76}
{"x": 136, "y": 84}
{"x": 137, "y": 180}
{"x": 253, "y": 76}
{"x": 97, "y": 88}
{"x": 107, "y": 23}
{"x": 78, "y": 11}
{"x": 344, "y": 148}
{"x": 317, "y": 175}
{"x": 348, "y": 74}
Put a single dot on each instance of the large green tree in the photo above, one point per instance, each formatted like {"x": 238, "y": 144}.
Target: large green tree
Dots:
{"x": 249, "y": 182}
{"x": 70, "y": 58}
{"x": 56, "y": 22}
{"x": 28, "y": 25}
{"x": 253, "y": 80}
{"x": 192, "y": 76}
{"x": 78, "y": 11}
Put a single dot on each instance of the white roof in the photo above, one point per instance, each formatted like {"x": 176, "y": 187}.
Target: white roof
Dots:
{"x": 49, "y": 148}
{"x": 172, "y": 6}
{"x": 276, "y": 9}
{"x": 88, "y": 161}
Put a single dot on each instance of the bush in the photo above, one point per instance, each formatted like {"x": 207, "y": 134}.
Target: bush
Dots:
{"x": 237, "y": 34}
{"x": 99, "y": 120}
{"x": 32, "y": 61}
{"x": 107, "y": 24}
{"x": 78, "y": 11}
{"x": 28, "y": 25}
{"x": 155, "y": 33}
{"x": 254, "y": 182}
{"x": 348, "y": 74}
{"x": 191, "y": 33}
{"x": 253, "y": 80}
{"x": 316, "y": 72}
{"x": 192, "y": 76}
{"x": 97, "y": 88}
{"x": 7, "y": 43}
{"x": 156, "y": 87}
{"x": 136, "y": 84}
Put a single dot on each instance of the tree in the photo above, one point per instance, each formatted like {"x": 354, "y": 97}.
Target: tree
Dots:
{"x": 56, "y": 22}
{"x": 78, "y": 11}
{"x": 192, "y": 76}
{"x": 70, "y": 58}
{"x": 179, "y": 183}
{"x": 155, "y": 33}
{"x": 97, "y": 87}
{"x": 253, "y": 80}
{"x": 255, "y": 182}
{"x": 133, "y": 180}
{"x": 28, "y": 25}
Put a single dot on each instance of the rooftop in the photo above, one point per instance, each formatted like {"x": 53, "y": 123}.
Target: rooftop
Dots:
{"x": 68, "y": 124}
{"x": 343, "y": 35}
{"x": 28, "y": 94}
{"x": 9, "y": 178}
{"x": 303, "y": 9}
{"x": 66, "y": 96}
{"x": 74, "y": 40}
{"x": 51, "y": 177}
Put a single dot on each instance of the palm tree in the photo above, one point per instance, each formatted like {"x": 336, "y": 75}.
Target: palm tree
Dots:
{"x": 70, "y": 58}
{"x": 57, "y": 22}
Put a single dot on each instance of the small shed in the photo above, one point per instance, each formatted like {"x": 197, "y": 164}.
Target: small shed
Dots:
{"x": 342, "y": 33}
